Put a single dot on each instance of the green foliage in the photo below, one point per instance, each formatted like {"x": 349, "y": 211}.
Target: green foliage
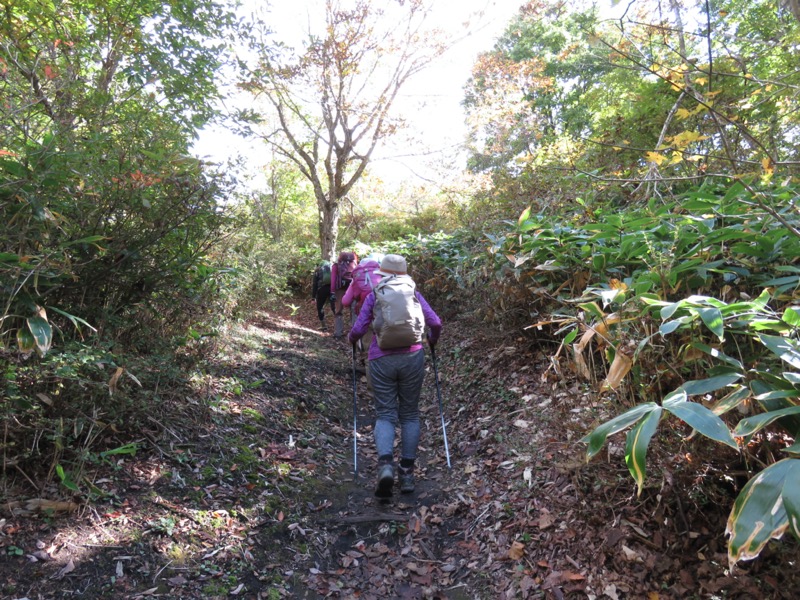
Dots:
{"x": 569, "y": 106}
{"x": 767, "y": 506}
{"x": 638, "y": 284}
{"x": 105, "y": 218}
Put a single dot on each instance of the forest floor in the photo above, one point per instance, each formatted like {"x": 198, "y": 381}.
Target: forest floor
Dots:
{"x": 248, "y": 491}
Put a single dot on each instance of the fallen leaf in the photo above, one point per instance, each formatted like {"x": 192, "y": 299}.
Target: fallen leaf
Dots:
{"x": 545, "y": 519}
{"x": 611, "y": 591}
{"x": 631, "y": 555}
{"x": 516, "y": 551}
{"x": 67, "y": 568}
{"x": 237, "y": 591}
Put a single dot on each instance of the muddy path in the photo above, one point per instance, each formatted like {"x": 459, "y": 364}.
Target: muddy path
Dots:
{"x": 244, "y": 488}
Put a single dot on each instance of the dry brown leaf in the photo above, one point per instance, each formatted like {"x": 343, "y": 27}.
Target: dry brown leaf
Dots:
{"x": 585, "y": 339}
{"x": 616, "y": 373}
{"x": 545, "y": 519}
{"x": 45, "y": 398}
{"x": 67, "y": 568}
{"x": 112, "y": 383}
{"x": 50, "y": 505}
{"x": 516, "y": 551}
{"x": 580, "y": 365}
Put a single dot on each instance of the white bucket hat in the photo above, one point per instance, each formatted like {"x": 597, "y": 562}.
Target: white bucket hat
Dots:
{"x": 393, "y": 264}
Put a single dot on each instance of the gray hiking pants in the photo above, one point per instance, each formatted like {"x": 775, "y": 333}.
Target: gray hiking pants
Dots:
{"x": 338, "y": 317}
{"x": 396, "y": 385}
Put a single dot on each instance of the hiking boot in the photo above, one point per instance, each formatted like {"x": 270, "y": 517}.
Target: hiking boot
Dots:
{"x": 385, "y": 481}
{"x": 406, "y": 482}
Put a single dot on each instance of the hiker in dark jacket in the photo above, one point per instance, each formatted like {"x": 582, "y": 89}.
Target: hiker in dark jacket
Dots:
{"x": 321, "y": 292}
{"x": 396, "y": 375}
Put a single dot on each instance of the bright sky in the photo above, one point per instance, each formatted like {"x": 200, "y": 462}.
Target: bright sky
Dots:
{"x": 430, "y": 101}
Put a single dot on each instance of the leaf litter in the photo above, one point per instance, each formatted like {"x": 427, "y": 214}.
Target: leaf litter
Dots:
{"x": 254, "y": 495}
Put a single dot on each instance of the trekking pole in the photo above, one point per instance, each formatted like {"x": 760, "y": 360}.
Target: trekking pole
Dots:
{"x": 441, "y": 409}
{"x": 355, "y": 418}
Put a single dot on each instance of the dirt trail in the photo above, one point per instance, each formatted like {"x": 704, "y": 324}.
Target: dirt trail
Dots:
{"x": 249, "y": 493}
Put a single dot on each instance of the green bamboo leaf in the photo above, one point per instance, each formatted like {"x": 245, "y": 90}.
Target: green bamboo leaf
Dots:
{"x": 9, "y": 258}
{"x": 793, "y": 449}
{"x": 792, "y": 316}
{"x": 712, "y": 317}
{"x": 762, "y": 324}
{"x": 712, "y": 384}
{"x": 732, "y": 400}
{"x": 751, "y": 425}
{"x": 66, "y": 479}
{"x": 715, "y": 353}
{"x": 42, "y": 333}
{"x": 25, "y": 341}
{"x": 767, "y": 506}
{"x": 706, "y": 301}
{"x": 597, "y": 438}
{"x": 670, "y": 326}
{"x": 790, "y": 280}
{"x": 76, "y": 321}
{"x": 126, "y": 449}
{"x": 704, "y": 421}
{"x": 674, "y": 397}
{"x": 92, "y": 239}
{"x": 669, "y": 310}
{"x": 636, "y": 444}
{"x": 787, "y": 349}
{"x": 526, "y": 214}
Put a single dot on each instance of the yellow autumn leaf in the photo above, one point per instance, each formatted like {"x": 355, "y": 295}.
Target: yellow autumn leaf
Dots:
{"x": 768, "y": 165}
{"x": 683, "y": 113}
{"x": 655, "y": 157}
{"x": 685, "y": 138}
{"x": 616, "y": 284}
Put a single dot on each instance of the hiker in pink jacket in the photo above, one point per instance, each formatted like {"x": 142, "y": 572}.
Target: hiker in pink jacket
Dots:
{"x": 364, "y": 280}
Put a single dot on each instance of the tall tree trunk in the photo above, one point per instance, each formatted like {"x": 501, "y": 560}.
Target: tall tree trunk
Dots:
{"x": 328, "y": 224}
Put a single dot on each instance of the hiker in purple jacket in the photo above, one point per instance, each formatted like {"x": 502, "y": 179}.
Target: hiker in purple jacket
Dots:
{"x": 396, "y": 375}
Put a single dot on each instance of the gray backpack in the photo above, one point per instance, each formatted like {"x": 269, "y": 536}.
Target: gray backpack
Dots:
{"x": 397, "y": 321}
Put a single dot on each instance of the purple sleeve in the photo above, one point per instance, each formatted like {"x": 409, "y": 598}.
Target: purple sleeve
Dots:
{"x": 363, "y": 321}
{"x": 432, "y": 320}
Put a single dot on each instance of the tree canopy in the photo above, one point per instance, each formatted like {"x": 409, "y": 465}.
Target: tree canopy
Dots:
{"x": 329, "y": 105}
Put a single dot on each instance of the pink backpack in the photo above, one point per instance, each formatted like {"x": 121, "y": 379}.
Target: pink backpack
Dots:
{"x": 365, "y": 279}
